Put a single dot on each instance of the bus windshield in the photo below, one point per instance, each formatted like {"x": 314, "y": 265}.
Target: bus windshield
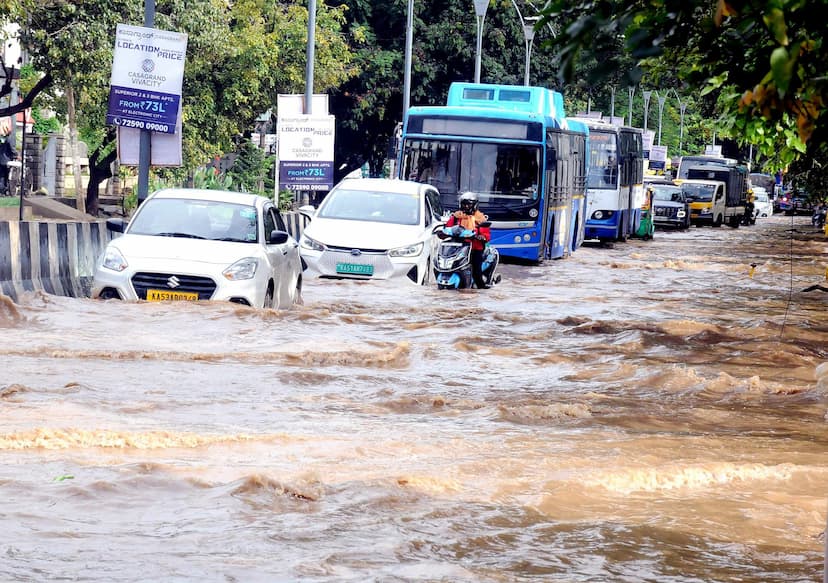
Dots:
{"x": 504, "y": 176}
{"x": 698, "y": 192}
{"x": 603, "y": 159}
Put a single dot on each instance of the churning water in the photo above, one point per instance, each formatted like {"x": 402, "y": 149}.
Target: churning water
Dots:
{"x": 654, "y": 411}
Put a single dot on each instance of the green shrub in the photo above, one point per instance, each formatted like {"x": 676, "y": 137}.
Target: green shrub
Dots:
{"x": 285, "y": 200}
{"x": 212, "y": 179}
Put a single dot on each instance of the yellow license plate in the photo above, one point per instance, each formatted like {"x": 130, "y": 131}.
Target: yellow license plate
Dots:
{"x": 161, "y": 295}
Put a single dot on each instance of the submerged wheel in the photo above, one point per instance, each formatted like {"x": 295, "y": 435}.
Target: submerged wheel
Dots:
{"x": 268, "y": 299}
{"x": 427, "y": 276}
{"x": 297, "y": 297}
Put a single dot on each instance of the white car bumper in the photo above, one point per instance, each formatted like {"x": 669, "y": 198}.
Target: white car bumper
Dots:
{"x": 332, "y": 263}
{"x": 210, "y": 283}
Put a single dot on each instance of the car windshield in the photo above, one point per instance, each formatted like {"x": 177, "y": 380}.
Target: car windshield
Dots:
{"x": 698, "y": 192}
{"x": 667, "y": 193}
{"x": 369, "y": 205}
{"x": 196, "y": 219}
{"x": 762, "y": 197}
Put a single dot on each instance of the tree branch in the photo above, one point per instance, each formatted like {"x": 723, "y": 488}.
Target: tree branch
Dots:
{"x": 29, "y": 98}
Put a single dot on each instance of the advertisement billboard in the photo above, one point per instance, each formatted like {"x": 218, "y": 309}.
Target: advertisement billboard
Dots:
{"x": 306, "y": 152}
{"x": 147, "y": 76}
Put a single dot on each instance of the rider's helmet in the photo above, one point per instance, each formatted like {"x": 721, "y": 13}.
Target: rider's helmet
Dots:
{"x": 468, "y": 202}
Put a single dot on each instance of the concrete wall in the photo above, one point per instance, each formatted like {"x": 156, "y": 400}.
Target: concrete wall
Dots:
{"x": 55, "y": 257}
{"x": 59, "y": 257}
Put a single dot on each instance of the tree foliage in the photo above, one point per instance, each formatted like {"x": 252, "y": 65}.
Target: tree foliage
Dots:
{"x": 760, "y": 65}
{"x": 240, "y": 56}
{"x": 750, "y": 71}
{"x": 369, "y": 106}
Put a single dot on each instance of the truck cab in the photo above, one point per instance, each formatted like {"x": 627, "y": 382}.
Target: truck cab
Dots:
{"x": 726, "y": 204}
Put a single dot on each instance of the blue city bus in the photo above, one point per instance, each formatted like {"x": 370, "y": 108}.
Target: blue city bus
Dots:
{"x": 512, "y": 145}
{"x": 615, "y": 180}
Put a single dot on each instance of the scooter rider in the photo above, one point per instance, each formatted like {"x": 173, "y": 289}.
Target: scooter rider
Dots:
{"x": 469, "y": 217}
{"x": 818, "y": 218}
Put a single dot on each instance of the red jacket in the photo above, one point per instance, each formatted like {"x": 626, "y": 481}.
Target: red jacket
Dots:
{"x": 472, "y": 222}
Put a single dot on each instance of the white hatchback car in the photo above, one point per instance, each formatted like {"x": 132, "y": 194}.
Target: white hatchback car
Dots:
{"x": 763, "y": 207}
{"x": 373, "y": 228}
{"x": 191, "y": 244}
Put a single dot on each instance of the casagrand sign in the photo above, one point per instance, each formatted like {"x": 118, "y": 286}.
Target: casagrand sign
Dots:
{"x": 306, "y": 152}
{"x": 147, "y": 76}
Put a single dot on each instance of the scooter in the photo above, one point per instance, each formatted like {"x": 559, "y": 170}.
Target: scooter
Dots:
{"x": 452, "y": 266}
{"x": 818, "y": 218}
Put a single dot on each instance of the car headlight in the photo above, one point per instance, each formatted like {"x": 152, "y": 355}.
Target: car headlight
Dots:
{"x": 242, "y": 269}
{"x": 598, "y": 215}
{"x": 114, "y": 260}
{"x": 680, "y": 214}
{"x": 308, "y": 243}
{"x": 409, "y": 251}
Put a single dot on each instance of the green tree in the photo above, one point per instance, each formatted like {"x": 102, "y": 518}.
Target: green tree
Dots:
{"x": 240, "y": 56}
{"x": 759, "y": 66}
{"x": 369, "y": 106}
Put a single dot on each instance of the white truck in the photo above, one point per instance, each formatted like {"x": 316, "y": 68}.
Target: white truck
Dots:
{"x": 717, "y": 193}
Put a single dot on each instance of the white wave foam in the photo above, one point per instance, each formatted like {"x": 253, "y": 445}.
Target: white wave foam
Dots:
{"x": 698, "y": 477}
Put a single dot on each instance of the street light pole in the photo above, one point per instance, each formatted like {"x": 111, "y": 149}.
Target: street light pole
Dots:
{"x": 631, "y": 91}
{"x": 310, "y": 52}
{"x": 480, "y": 7}
{"x": 647, "y": 95}
{"x": 529, "y": 36}
{"x": 661, "y": 100}
{"x": 409, "y": 41}
{"x": 682, "y": 108}
{"x": 145, "y": 137}
{"x": 612, "y": 101}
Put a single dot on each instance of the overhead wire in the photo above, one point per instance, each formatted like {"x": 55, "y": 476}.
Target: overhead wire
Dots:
{"x": 790, "y": 278}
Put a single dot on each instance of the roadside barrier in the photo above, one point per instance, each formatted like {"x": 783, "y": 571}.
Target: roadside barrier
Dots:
{"x": 295, "y": 223}
{"x": 54, "y": 257}
{"x": 59, "y": 257}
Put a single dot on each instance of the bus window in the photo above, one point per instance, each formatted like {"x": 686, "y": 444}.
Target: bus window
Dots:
{"x": 603, "y": 160}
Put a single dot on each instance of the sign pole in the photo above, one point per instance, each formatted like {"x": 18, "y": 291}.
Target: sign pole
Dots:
{"x": 145, "y": 144}
{"x": 23, "y": 163}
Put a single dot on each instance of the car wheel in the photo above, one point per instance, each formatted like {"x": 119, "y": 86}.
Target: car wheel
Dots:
{"x": 427, "y": 275}
{"x": 298, "y": 300}
{"x": 268, "y": 299}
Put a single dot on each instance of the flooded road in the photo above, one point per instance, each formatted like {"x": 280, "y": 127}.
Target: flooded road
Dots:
{"x": 654, "y": 411}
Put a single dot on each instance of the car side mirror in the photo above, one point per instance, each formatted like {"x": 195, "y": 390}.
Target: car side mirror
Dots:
{"x": 277, "y": 237}
{"x": 117, "y": 225}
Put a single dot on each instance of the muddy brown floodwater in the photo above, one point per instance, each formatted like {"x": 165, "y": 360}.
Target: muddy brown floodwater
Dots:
{"x": 648, "y": 412}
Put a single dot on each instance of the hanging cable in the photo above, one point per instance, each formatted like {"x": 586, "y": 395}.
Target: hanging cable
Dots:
{"x": 790, "y": 280}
